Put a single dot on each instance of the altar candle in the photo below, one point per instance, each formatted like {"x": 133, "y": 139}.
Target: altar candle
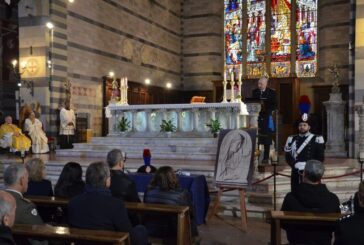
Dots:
{"x": 232, "y": 75}
{"x": 126, "y": 81}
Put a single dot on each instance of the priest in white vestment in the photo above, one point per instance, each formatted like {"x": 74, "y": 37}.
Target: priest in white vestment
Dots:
{"x": 34, "y": 128}
{"x": 67, "y": 127}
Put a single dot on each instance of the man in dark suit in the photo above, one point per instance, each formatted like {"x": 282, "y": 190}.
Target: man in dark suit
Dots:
{"x": 310, "y": 196}
{"x": 121, "y": 185}
{"x": 350, "y": 228}
{"x": 265, "y": 119}
{"x": 303, "y": 147}
{"x": 7, "y": 217}
{"x": 97, "y": 209}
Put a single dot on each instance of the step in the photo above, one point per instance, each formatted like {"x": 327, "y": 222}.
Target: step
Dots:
{"x": 154, "y": 141}
{"x": 138, "y": 155}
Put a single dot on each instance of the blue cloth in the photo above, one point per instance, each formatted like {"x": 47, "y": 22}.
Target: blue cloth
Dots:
{"x": 270, "y": 123}
{"x": 196, "y": 186}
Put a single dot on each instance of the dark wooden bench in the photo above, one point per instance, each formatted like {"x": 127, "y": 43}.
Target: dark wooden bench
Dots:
{"x": 182, "y": 212}
{"x": 298, "y": 218}
{"x": 48, "y": 232}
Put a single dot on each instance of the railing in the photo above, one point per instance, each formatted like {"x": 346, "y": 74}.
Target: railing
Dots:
{"x": 189, "y": 119}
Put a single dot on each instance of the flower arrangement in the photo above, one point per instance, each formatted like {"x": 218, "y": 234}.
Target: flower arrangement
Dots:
{"x": 214, "y": 126}
{"x": 124, "y": 124}
{"x": 146, "y": 153}
{"x": 146, "y": 157}
{"x": 167, "y": 126}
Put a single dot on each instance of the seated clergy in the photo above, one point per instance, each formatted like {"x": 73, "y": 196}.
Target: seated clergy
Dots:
{"x": 310, "y": 196}
{"x": 97, "y": 209}
{"x": 349, "y": 229}
{"x": 34, "y": 128}
{"x": 11, "y": 136}
{"x": 7, "y": 217}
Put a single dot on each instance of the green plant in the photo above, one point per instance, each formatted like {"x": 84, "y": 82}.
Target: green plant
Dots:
{"x": 167, "y": 126}
{"x": 124, "y": 124}
{"x": 214, "y": 126}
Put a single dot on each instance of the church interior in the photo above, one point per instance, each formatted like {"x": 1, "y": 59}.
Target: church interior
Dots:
{"x": 167, "y": 81}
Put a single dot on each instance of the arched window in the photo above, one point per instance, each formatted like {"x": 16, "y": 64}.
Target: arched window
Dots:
{"x": 278, "y": 37}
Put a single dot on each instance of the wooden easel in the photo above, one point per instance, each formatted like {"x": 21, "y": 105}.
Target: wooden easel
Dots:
{"x": 244, "y": 218}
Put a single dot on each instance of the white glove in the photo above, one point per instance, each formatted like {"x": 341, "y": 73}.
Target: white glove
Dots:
{"x": 300, "y": 165}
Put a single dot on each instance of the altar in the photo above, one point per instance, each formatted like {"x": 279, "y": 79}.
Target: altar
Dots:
{"x": 189, "y": 119}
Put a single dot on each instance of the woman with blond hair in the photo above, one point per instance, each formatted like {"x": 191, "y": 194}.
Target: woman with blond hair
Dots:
{"x": 38, "y": 185}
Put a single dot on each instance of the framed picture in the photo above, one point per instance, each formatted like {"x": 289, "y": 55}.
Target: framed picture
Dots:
{"x": 235, "y": 157}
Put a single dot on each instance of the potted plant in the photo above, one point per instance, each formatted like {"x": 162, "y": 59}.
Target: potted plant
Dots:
{"x": 124, "y": 125}
{"x": 168, "y": 127}
{"x": 214, "y": 127}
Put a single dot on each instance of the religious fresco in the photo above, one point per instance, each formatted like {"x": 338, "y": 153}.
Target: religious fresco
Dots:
{"x": 280, "y": 37}
{"x": 256, "y": 31}
{"x": 233, "y": 37}
{"x": 306, "y": 25}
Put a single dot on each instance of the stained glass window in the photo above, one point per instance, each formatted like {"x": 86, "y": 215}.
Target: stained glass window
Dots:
{"x": 282, "y": 32}
{"x": 233, "y": 37}
{"x": 256, "y": 31}
{"x": 280, "y": 38}
{"x": 306, "y": 24}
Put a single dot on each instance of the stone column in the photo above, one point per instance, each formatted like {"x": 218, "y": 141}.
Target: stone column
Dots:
{"x": 253, "y": 109}
{"x": 147, "y": 120}
{"x": 178, "y": 121}
{"x": 335, "y": 108}
{"x": 236, "y": 116}
{"x": 133, "y": 119}
{"x": 212, "y": 113}
{"x": 360, "y": 110}
{"x": 195, "y": 119}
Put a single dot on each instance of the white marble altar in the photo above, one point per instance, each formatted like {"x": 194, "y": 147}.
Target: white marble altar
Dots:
{"x": 335, "y": 108}
{"x": 189, "y": 119}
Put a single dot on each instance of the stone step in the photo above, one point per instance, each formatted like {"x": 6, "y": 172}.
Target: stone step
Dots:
{"x": 138, "y": 155}
{"x": 154, "y": 141}
{"x": 154, "y": 149}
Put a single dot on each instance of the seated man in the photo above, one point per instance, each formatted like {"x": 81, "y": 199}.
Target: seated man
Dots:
{"x": 7, "y": 217}
{"x": 96, "y": 209}
{"x": 350, "y": 227}
{"x": 11, "y": 136}
{"x": 121, "y": 185}
{"x": 310, "y": 196}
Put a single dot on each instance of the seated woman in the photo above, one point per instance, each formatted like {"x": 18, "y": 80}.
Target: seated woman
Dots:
{"x": 34, "y": 127}
{"x": 12, "y": 137}
{"x": 164, "y": 189}
{"x": 70, "y": 183}
{"x": 39, "y": 186}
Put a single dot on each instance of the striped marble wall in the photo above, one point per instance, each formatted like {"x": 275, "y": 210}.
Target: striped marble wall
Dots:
{"x": 202, "y": 47}
{"x": 359, "y": 63}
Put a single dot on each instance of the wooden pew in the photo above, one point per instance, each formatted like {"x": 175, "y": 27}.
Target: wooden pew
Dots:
{"x": 298, "y": 218}
{"x": 48, "y": 232}
{"x": 182, "y": 212}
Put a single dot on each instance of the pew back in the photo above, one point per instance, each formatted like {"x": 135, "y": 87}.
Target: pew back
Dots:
{"x": 298, "y": 218}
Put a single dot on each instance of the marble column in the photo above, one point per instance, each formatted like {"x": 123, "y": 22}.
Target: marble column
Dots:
{"x": 147, "y": 120}
{"x": 133, "y": 123}
{"x": 360, "y": 110}
{"x": 253, "y": 109}
{"x": 195, "y": 119}
{"x": 335, "y": 109}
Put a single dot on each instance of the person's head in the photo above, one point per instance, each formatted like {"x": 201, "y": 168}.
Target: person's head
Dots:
{"x": 115, "y": 159}
{"x": 313, "y": 172}
{"x": 98, "y": 175}
{"x": 32, "y": 116}
{"x": 71, "y": 173}
{"x": 36, "y": 169}
{"x": 16, "y": 177}
{"x": 304, "y": 124}
{"x": 262, "y": 83}
{"x": 8, "y": 119}
{"x": 165, "y": 179}
{"x": 67, "y": 105}
{"x": 361, "y": 194}
{"x": 7, "y": 209}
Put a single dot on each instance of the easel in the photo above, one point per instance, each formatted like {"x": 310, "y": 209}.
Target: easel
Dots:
{"x": 243, "y": 214}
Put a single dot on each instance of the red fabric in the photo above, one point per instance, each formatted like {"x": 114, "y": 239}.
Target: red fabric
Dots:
{"x": 146, "y": 153}
{"x": 305, "y": 100}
